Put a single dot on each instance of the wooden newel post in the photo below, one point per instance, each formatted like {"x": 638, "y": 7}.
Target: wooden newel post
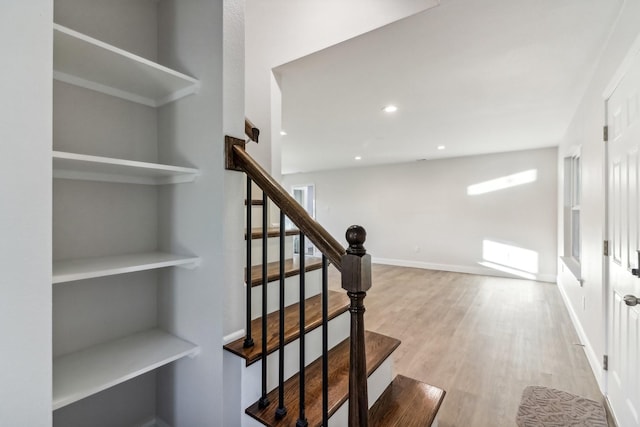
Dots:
{"x": 356, "y": 280}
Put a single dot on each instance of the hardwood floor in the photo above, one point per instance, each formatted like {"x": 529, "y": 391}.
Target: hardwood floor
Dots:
{"x": 482, "y": 339}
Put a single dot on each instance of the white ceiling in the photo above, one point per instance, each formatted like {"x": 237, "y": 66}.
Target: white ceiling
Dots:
{"x": 477, "y": 76}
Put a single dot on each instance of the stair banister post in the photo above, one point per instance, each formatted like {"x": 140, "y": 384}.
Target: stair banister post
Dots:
{"x": 356, "y": 280}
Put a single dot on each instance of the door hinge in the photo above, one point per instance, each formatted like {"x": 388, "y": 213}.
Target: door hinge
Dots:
{"x": 605, "y": 133}
{"x": 605, "y": 362}
{"x": 605, "y": 248}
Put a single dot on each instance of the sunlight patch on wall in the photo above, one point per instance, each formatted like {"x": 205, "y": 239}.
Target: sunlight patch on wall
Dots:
{"x": 503, "y": 182}
{"x": 510, "y": 259}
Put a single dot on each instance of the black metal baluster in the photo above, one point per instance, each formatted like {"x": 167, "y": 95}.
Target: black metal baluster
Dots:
{"x": 325, "y": 342}
{"x": 302, "y": 420}
{"x": 281, "y": 411}
{"x": 248, "y": 340}
{"x": 264, "y": 401}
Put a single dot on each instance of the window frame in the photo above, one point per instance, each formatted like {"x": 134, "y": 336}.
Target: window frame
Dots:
{"x": 572, "y": 202}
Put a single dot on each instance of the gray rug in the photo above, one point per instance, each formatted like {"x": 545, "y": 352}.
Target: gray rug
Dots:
{"x": 548, "y": 407}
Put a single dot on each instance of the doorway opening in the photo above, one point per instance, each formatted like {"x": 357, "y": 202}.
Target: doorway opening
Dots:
{"x": 305, "y": 195}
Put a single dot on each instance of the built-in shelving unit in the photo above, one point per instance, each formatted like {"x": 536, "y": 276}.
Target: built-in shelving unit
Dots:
{"x": 95, "y": 168}
{"x": 88, "y": 268}
{"x": 84, "y": 61}
{"x": 83, "y": 373}
{"x": 89, "y": 63}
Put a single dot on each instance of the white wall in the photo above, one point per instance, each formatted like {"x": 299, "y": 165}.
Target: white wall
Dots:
{"x": 419, "y": 214}
{"x": 190, "y": 131}
{"x": 279, "y": 31}
{"x": 586, "y": 131}
{"x": 25, "y": 212}
{"x": 233, "y": 113}
{"x": 233, "y": 255}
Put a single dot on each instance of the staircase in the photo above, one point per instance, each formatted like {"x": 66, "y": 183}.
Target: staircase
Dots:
{"x": 306, "y": 358}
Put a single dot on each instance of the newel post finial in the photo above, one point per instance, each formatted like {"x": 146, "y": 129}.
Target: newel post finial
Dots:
{"x": 356, "y": 280}
{"x": 356, "y": 236}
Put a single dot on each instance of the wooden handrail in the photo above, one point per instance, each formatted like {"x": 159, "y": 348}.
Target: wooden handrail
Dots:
{"x": 238, "y": 159}
{"x": 250, "y": 130}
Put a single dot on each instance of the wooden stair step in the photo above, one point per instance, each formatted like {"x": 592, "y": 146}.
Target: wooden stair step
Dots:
{"x": 338, "y": 304}
{"x": 408, "y": 403}
{"x": 254, "y": 202}
{"x": 291, "y": 268}
{"x": 257, "y": 233}
{"x": 378, "y": 348}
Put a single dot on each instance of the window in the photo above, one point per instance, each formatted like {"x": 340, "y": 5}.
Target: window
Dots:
{"x": 572, "y": 183}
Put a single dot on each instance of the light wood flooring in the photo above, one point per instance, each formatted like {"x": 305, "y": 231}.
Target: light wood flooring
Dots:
{"x": 482, "y": 339}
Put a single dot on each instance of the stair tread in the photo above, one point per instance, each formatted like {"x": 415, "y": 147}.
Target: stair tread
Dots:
{"x": 254, "y": 202}
{"x": 378, "y": 348}
{"x": 338, "y": 304}
{"x": 291, "y": 268}
{"x": 406, "y": 402}
{"x": 256, "y": 233}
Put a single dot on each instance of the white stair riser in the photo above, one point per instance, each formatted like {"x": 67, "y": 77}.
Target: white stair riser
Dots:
{"x": 273, "y": 249}
{"x": 376, "y": 385}
{"x": 273, "y": 216}
{"x": 256, "y": 216}
{"x": 313, "y": 286}
{"x": 256, "y": 210}
{"x": 251, "y": 375}
{"x": 273, "y": 213}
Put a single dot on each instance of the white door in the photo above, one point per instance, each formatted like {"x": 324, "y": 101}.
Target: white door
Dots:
{"x": 623, "y": 119}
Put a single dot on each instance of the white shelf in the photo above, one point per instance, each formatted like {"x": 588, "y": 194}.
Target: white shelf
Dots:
{"x": 86, "y": 372}
{"x": 95, "y": 168}
{"x": 84, "y": 61}
{"x": 87, "y": 268}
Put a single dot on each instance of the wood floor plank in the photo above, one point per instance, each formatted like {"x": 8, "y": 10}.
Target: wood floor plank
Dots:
{"x": 338, "y": 304}
{"x": 378, "y": 346}
{"x": 482, "y": 339}
{"x": 406, "y": 403}
{"x": 291, "y": 268}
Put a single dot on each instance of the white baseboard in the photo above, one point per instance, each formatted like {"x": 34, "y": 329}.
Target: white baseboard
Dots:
{"x": 484, "y": 271}
{"x": 232, "y": 336}
{"x": 592, "y": 357}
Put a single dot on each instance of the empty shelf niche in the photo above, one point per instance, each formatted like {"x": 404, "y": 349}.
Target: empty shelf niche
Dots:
{"x": 82, "y": 373}
{"x": 86, "y": 62}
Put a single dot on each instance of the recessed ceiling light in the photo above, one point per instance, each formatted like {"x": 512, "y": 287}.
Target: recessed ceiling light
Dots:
{"x": 441, "y": 147}
{"x": 358, "y": 157}
{"x": 390, "y": 109}
{"x": 283, "y": 133}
